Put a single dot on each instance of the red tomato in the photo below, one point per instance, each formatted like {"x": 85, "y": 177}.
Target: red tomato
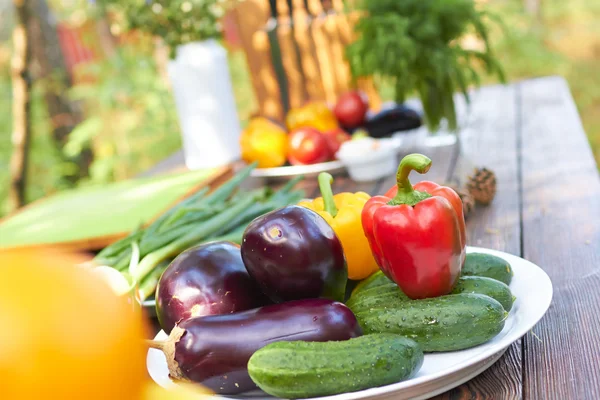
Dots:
{"x": 351, "y": 109}
{"x": 335, "y": 138}
{"x": 308, "y": 146}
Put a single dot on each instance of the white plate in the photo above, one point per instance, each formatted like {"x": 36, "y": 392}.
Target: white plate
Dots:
{"x": 312, "y": 170}
{"x": 333, "y": 167}
{"x": 440, "y": 371}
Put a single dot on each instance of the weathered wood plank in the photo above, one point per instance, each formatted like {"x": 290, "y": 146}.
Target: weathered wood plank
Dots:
{"x": 344, "y": 25}
{"x": 306, "y": 45}
{"x": 491, "y": 141}
{"x": 251, "y": 17}
{"x": 336, "y": 47}
{"x": 323, "y": 50}
{"x": 290, "y": 55}
{"x": 561, "y": 233}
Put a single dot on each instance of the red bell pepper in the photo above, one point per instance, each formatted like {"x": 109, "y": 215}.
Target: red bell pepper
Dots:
{"x": 417, "y": 234}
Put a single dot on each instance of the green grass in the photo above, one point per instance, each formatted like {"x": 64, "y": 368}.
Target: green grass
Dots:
{"x": 133, "y": 123}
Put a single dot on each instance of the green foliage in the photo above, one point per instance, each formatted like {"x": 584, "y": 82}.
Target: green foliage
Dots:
{"x": 5, "y": 131}
{"x": 131, "y": 121}
{"x": 414, "y": 45}
{"x": 128, "y": 90}
{"x": 175, "y": 21}
{"x": 44, "y": 171}
{"x": 564, "y": 40}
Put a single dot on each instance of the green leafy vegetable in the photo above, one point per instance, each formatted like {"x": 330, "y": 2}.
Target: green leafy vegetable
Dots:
{"x": 415, "y": 45}
{"x": 175, "y": 21}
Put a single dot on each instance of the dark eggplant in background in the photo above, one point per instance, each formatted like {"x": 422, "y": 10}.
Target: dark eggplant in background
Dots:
{"x": 209, "y": 279}
{"x": 214, "y": 350}
{"x": 293, "y": 253}
{"x": 396, "y": 119}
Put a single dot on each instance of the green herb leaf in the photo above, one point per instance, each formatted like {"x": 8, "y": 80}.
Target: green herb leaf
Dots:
{"x": 415, "y": 44}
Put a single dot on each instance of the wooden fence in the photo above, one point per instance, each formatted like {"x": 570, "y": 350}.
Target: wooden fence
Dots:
{"x": 296, "y": 54}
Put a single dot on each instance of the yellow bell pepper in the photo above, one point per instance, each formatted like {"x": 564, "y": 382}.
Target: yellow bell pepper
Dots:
{"x": 264, "y": 142}
{"x": 343, "y": 213}
{"x": 315, "y": 115}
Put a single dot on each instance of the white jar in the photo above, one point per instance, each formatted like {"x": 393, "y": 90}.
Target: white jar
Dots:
{"x": 205, "y": 104}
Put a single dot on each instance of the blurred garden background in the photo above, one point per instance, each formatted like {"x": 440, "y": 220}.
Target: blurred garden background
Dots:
{"x": 104, "y": 111}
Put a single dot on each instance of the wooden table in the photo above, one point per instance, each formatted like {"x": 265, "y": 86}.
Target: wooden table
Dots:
{"x": 547, "y": 210}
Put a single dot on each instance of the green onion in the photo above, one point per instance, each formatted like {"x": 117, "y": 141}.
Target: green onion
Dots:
{"x": 222, "y": 215}
{"x": 194, "y": 236}
{"x": 149, "y": 283}
{"x": 148, "y": 286}
{"x": 118, "y": 254}
{"x": 116, "y": 248}
{"x": 121, "y": 249}
{"x": 235, "y": 236}
{"x": 223, "y": 192}
{"x": 192, "y": 213}
{"x": 156, "y": 225}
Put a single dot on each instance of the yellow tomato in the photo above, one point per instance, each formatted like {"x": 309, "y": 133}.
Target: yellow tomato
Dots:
{"x": 315, "y": 115}
{"x": 64, "y": 333}
{"x": 264, "y": 142}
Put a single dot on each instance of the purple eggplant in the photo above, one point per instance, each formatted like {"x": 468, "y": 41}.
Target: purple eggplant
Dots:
{"x": 214, "y": 350}
{"x": 396, "y": 119}
{"x": 209, "y": 279}
{"x": 293, "y": 253}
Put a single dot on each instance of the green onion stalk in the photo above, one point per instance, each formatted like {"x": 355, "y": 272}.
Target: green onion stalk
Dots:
{"x": 222, "y": 215}
{"x": 148, "y": 285}
{"x": 192, "y": 237}
{"x": 118, "y": 254}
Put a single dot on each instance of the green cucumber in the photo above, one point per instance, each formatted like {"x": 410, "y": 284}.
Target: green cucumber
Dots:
{"x": 476, "y": 264}
{"x": 481, "y": 264}
{"x": 390, "y": 294}
{"x": 490, "y": 287}
{"x": 378, "y": 278}
{"x": 446, "y": 323}
{"x": 371, "y": 297}
{"x": 295, "y": 370}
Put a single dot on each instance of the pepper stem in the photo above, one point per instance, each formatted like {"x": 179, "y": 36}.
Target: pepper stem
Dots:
{"x": 406, "y": 193}
{"x": 325, "y": 181}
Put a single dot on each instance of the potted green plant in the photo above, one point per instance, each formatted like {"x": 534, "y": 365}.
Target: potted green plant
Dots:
{"x": 198, "y": 71}
{"x": 414, "y": 46}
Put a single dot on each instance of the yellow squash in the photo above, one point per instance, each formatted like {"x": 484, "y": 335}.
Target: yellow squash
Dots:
{"x": 343, "y": 213}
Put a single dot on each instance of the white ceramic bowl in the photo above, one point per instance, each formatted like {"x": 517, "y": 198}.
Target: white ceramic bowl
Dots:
{"x": 369, "y": 159}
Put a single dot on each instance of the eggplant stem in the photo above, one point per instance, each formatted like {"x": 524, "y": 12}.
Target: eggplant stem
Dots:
{"x": 156, "y": 344}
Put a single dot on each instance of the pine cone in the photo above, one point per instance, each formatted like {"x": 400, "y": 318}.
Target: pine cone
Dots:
{"x": 467, "y": 200}
{"x": 482, "y": 186}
